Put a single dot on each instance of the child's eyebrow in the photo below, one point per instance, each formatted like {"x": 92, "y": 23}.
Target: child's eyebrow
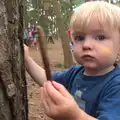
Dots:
{"x": 98, "y": 30}
{"x": 77, "y": 33}
{"x": 95, "y": 31}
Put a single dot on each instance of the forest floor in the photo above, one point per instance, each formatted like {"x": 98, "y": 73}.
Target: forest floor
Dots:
{"x": 55, "y": 52}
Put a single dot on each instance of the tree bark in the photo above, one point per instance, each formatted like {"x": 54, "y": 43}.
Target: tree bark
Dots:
{"x": 13, "y": 91}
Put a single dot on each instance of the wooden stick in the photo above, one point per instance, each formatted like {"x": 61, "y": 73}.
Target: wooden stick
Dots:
{"x": 44, "y": 53}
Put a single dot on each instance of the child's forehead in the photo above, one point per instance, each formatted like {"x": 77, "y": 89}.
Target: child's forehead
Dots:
{"x": 93, "y": 26}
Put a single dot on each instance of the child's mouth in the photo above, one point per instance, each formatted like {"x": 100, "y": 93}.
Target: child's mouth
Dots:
{"x": 87, "y": 57}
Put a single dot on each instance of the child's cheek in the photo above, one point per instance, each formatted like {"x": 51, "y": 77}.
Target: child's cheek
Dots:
{"x": 105, "y": 51}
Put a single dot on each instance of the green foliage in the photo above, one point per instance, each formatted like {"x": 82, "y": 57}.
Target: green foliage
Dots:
{"x": 59, "y": 65}
{"x": 118, "y": 3}
{"x": 67, "y": 8}
{"x": 47, "y": 19}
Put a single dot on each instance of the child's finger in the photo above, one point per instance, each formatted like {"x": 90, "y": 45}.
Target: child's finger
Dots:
{"x": 61, "y": 89}
{"x": 48, "y": 99}
{"x": 43, "y": 100}
{"x": 45, "y": 107}
{"x": 54, "y": 95}
{"x": 41, "y": 93}
{"x": 47, "y": 103}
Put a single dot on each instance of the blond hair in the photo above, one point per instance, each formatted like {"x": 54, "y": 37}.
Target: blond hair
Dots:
{"x": 105, "y": 13}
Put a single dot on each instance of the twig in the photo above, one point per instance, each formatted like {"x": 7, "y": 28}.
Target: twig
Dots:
{"x": 44, "y": 54}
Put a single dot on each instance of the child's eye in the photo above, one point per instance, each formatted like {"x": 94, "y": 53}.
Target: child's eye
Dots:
{"x": 100, "y": 37}
{"x": 79, "y": 38}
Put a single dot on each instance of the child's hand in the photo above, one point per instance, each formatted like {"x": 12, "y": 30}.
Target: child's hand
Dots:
{"x": 58, "y": 103}
{"x": 26, "y": 52}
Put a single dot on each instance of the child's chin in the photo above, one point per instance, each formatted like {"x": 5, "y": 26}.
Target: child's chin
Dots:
{"x": 90, "y": 66}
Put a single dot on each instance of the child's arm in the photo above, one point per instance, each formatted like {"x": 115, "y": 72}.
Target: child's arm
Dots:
{"x": 35, "y": 71}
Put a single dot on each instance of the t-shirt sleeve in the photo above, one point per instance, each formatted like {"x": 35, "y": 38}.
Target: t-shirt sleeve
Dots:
{"x": 64, "y": 77}
{"x": 109, "y": 106}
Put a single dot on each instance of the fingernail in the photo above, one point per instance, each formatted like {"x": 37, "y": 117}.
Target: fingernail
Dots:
{"x": 53, "y": 82}
{"x": 45, "y": 84}
{"x": 49, "y": 82}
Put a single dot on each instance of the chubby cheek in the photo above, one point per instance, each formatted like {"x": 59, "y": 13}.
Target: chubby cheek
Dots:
{"x": 77, "y": 51}
{"x": 106, "y": 54}
{"x": 77, "y": 55}
{"x": 105, "y": 51}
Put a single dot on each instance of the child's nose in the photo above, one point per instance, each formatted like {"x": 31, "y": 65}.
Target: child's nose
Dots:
{"x": 87, "y": 44}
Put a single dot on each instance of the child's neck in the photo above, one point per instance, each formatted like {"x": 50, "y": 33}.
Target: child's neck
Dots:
{"x": 98, "y": 72}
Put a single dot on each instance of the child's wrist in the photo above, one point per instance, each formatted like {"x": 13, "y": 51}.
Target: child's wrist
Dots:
{"x": 27, "y": 59}
{"x": 81, "y": 115}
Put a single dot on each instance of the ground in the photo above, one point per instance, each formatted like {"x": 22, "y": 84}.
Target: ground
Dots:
{"x": 56, "y": 59}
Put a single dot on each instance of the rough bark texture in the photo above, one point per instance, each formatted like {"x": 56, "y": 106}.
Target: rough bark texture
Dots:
{"x": 13, "y": 92}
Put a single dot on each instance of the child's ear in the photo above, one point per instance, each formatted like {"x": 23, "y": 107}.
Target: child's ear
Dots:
{"x": 118, "y": 57}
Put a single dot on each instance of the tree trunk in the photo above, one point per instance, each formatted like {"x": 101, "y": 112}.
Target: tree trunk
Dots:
{"x": 13, "y": 91}
{"x": 68, "y": 61}
{"x": 25, "y": 15}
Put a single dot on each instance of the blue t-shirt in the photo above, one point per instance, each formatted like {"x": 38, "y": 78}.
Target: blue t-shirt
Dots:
{"x": 98, "y": 96}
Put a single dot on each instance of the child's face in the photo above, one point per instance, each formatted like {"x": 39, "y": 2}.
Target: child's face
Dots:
{"x": 97, "y": 47}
